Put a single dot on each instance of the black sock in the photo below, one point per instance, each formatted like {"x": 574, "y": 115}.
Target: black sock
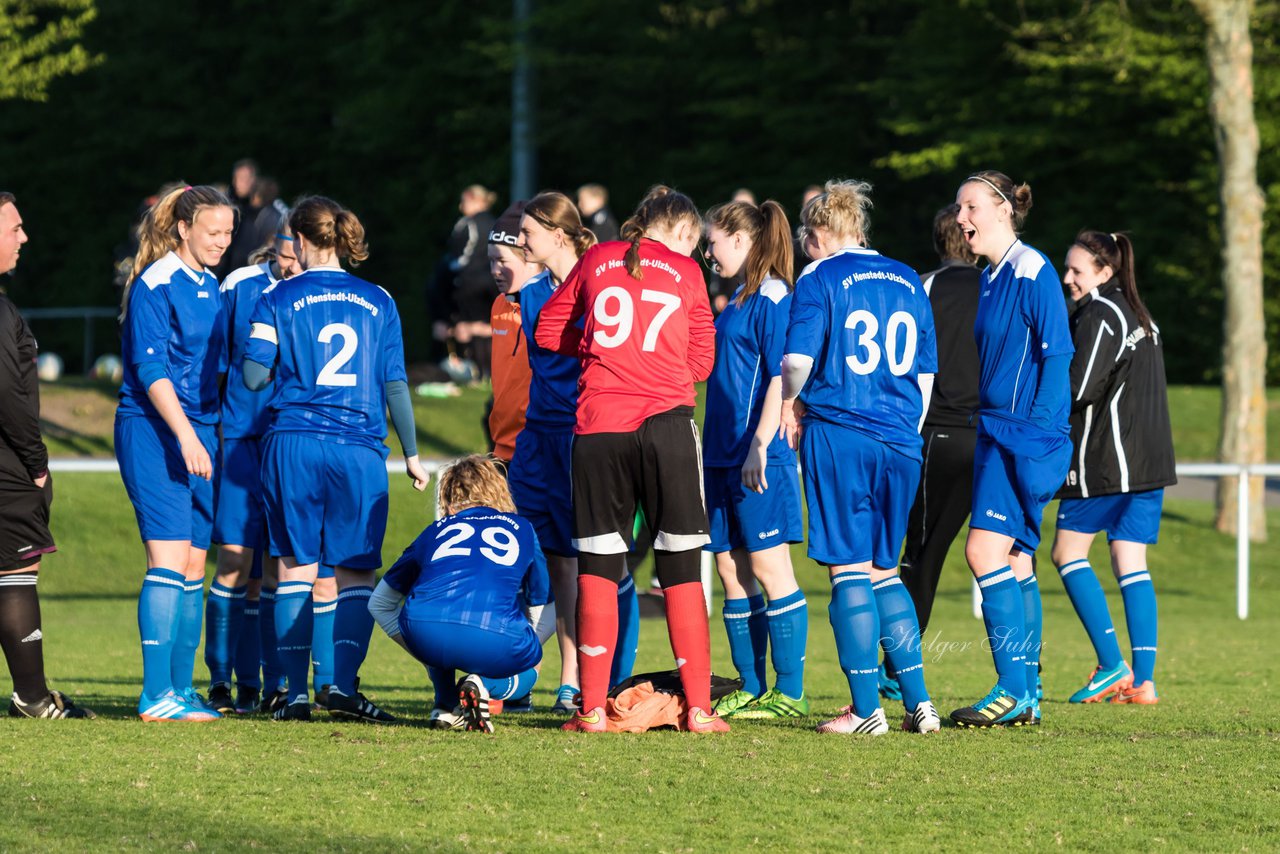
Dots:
{"x": 20, "y": 635}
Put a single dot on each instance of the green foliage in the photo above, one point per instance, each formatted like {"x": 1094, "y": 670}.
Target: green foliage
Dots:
{"x": 39, "y": 41}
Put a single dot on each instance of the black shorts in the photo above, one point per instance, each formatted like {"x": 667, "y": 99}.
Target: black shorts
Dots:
{"x": 475, "y": 305}
{"x": 24, "y": 515}
{"x": 657, "y": 468}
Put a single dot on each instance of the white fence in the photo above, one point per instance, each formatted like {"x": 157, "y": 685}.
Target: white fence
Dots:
{"x": 1184, "y": 470}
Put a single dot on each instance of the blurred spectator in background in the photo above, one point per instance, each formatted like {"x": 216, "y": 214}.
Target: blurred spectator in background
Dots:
{"x": 593, "y": 204}
{"x": 462, "y": 290}
{"x": 268, "y": 214}
{"x": 244, "y": 177}
{"x": 744, "y": 194}
{"x": 810, "y": 193}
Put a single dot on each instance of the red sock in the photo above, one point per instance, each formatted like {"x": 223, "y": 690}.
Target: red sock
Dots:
{"x": 690, "y": 640}
{"x": 597, "y": 636}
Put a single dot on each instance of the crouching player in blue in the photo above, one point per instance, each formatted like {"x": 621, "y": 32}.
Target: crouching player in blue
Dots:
{"x": 453, "y": 599}
{"x": 172, "y": 340}
{"x": 1023, "y": 447}
{"x": 861, "y": 353}
{"x": 335, "y": 344}
{"x": 751, "y": 485}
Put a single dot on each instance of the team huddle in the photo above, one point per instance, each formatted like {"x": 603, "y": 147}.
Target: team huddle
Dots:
{"x": 254, "y": 411}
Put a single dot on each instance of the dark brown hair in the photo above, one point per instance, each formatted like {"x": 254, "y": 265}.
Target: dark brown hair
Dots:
{"x": 771, "y": 252}
{"x": 1002, "y": 189}
{"x": 948, "y": 238}
{"x": 7, "y": 198}
{"x": 328, "y": 225}
{"x": 1115, "y": 251}
{"x": 661, "y": 207}
{"x": 553, "y": 210}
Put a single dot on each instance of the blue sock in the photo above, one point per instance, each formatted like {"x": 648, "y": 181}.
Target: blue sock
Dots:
{"x": 1085, "y": 592}
{"x": 445, "y": 682}
{"x": 1006, "y": 625}
{"x": 272, "y": 669}
{"x": 624, "y": 653}
{"x": 352, "y": 629}
{"x": 182, "y": 667}
{"x": 248, "y": 657}
{"x": 758, "y": 628}
{"x": 856, "y": 623}
{"x": 159, "y": 608}
{"x": 788, "y": 626}
{"x": 512, "y": 686}
{"x": 294, "y": 623}
{"x": 322, "y": 643}
{"x": 737, "y": 616}
{"x": 224, "y": 615}
{"x": 900, "y": 637}
{"x": 1140, "y": 613}
{"x": 1034, "y": 626}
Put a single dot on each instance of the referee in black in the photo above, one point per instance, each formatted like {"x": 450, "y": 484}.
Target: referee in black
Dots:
{"x": 25, "y": 495}
{"x": 950, "y": 425}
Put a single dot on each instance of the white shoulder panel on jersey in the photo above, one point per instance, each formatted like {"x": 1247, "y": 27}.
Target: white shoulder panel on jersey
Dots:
{"x": 1027, "y": 262}
{"x": 774, "y": 289}
{"x": 235, "y": 277}
{"x": 162, "y": 271}
{"x": 813, "y": 265}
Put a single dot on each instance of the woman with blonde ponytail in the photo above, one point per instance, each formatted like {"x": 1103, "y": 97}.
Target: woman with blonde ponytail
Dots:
{"x": 752, "y": 489}
{"x": 173, "y": 342}
{"x": 645, "y": 338}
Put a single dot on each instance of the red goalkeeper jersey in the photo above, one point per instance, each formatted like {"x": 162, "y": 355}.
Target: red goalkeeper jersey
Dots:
{"x": 644, "y": 342}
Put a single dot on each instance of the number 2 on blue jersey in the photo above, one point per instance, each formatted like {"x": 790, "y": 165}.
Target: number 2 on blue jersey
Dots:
{"x": 329, "y": 374}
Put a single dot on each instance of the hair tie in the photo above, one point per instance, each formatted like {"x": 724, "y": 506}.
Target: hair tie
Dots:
{"x": 188, "y": 187}
{"x": 989, "y": 184}
{"x": 1113, "y": 237}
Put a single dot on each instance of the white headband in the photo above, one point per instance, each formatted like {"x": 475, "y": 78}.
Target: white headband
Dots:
{"x": 989, "y": 184}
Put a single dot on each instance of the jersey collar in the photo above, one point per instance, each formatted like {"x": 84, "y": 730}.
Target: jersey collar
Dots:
{"x": 198, "y": 278}
{"x": 995, "y": 271}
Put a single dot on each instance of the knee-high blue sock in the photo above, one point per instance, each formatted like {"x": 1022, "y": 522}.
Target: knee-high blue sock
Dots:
{"x": 788, "y": 626}
{"x": 758, "y": 627}
{"x": 737, "y": 625}
{"x": 856, "y": 623}
{"x": 1085, "y": 592}
{"x": 272, "y": 668}
{"x": 512, "y": 686}
{"x": 1140, "y": 614}
{"x": 248, "y": 657}
{"x": 322, "y": 643}
{"x": 1034, "y": 622}
{"x": 900, "y": 637}
{"x": 187, "y": 642}
{"x": 624, "y": 653}
{"x": 159, "y": 609}
{"x": 1006, "y": 627}
{"x": 224, "y": 615}
{"x": 352, "y": 629}
{"x": 445, "y": 683}
{"x": 295, "y": 624}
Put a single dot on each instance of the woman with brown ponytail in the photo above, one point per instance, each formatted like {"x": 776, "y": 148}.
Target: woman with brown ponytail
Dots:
{"x": 647, "y": 337}
{"x": 751, "y": 484}
{"x": 1122, "y": 461}
{"x": 173, "y": 343}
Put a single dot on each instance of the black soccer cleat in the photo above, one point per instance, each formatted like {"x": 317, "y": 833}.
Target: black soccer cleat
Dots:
{"x": 300, "y": 711}
{"x": 220, "y": 698}
{"x": 474, "y": 700}
{"x": 273, "y": 702}
{"x": 247, "y": 698}
{"x": 56, "y": 705}
{"x": 320, "y": 702}
{"x": 356, "y": 708}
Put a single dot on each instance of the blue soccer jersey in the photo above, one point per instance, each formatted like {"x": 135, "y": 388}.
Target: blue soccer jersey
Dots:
{"x": 553, "y": 389}
{"x": 749, "y": 347}
{"x": 472, "y": 568}
{"x": 867, "y": 323}
{"x": 244, "y": 413}
{"x": 334, "y": 341}
{"x": 174, "y": 319}
{"x": 1021, "y": 321}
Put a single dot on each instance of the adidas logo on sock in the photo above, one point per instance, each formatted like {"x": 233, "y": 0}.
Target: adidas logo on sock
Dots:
{"x": 34, "y": 636}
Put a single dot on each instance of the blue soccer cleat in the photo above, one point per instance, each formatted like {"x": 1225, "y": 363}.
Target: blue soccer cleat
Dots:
{"x": 889, "y": 687}
{"x": 1102, "y": 683}
{"x": 173, "y": 707}
{"x": 998, "y": 708}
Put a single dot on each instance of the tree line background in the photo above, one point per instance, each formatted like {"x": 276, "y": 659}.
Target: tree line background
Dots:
{"x": 392, "y": 108}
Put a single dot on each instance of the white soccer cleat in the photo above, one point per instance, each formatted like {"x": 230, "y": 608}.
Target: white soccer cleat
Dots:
{"x": 446, "y": 718}
{"x": 924, "y": 719}
{"x": 847, "y": 723}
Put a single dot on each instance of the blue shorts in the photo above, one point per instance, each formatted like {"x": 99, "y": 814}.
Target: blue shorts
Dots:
{"x": 744, "y": 519}
{"x": 542, "y": 487}
{"x": 471, "y": 649}
{"x": 326, "y": 501}
{"x": 859, "y": 492}
{"x": 1016, "y": 471}
{"x": 238, "y": 516}
{"x": 170, "y": 503}
{"x": 1130, "y": 516}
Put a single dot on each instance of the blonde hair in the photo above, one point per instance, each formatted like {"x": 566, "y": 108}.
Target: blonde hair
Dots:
{"x": 553, "y": 210}
{"x": 474, "y": 481}
{"x": 158, "y": 232}
{"x": 328, "y": 225}
{"x": 842, "y": 209}
{"x": 661, "y": 207}
{"x": 481, "y": 192}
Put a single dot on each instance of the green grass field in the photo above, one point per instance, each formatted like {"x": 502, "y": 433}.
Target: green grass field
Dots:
{"x": 1198, "y": 772}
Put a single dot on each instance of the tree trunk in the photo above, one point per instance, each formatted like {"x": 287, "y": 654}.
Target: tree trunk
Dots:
{"x": 1229, "y": 51}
